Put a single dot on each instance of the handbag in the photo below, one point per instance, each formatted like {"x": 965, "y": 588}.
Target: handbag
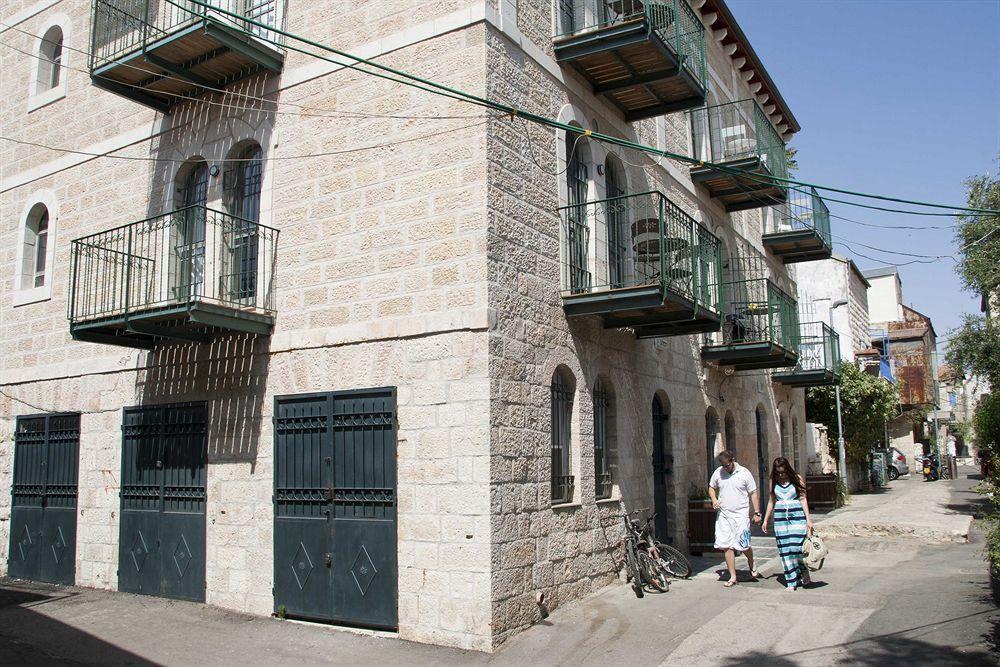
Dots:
{"x": 814, "y": 551}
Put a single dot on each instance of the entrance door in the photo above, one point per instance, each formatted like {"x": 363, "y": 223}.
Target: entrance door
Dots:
{"x": 162, "y": 541}
{"x": 662, "y": 464}
{"x": 190, "y": 247}
{"x": 43, "y": 498}
{"x": 335, "y": 507}
{"x": 762, "y": 474}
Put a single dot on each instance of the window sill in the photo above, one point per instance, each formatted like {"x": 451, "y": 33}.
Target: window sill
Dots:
{"x": 567, "y": 506}
{"x": 608, "y": 501}
{"x": 23, "y": 297}
{"x": 46, "y": 98}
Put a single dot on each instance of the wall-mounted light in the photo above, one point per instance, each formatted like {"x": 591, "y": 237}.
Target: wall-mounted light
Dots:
{"x": 214, "y": 170}
{"x": 600, "y": 169}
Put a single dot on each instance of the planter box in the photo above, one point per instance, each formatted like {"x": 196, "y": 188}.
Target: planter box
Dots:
{"x": 701, "y": 527}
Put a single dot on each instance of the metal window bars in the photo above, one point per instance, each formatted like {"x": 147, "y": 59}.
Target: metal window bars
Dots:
{"x": 803, "y": 210}
{"x": 562, "y": 411}
{"x": 755, "y": 309}
{"x": 602, "y": 474}
{"x": 121, "y": 27}
{"x": 191, "y": 254}
{"x": 736, "y": 131}
{"x": 673, "y": 21}
{"x": 637, "y": 241}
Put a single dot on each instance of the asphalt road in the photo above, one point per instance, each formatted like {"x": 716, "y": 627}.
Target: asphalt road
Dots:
{"x": 878, "y": 600}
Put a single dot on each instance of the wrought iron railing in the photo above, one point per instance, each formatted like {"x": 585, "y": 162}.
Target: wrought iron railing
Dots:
{"x": 735, "y": 131}
{"x": 819, "y": 348}
{"x": 121, "y": 27}
{"x": 758, "y": 311}
{"x": 803, "y": 210}
{"x": 639, "y": 240}
{"x": 192, "y": 254}
{"x": 673, "y": 21}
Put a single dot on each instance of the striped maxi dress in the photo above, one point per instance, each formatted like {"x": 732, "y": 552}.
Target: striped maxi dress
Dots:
{"x": 790, "y": 531}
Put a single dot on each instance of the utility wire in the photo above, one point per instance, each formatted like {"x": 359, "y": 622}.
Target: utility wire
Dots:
{"x": 454, "y": 93}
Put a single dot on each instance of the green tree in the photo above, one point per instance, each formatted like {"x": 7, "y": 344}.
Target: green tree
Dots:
{"x": 978, "y": 237}
{"x": 974, "y": 349}
{"x": 867, "y": 402}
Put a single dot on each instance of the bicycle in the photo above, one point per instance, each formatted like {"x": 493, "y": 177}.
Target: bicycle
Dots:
{"x": 648, "y": 561}
{"x": 667, "y": 557}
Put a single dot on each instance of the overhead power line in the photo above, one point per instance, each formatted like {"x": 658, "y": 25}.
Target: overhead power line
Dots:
{"x": 429, "y": 85}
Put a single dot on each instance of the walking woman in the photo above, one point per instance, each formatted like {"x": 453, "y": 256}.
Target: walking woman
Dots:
{"x": 792, "y": 522}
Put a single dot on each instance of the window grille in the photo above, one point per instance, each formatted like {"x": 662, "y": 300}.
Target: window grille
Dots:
{"x": 562, "y": 411}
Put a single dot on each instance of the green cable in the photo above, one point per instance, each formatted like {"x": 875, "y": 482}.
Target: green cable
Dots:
{"x": 454, "y": 93}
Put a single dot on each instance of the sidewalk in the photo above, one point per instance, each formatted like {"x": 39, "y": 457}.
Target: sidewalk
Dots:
{"x": 909, "y": 507}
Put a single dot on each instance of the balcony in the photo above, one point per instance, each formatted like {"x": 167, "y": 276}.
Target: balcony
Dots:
{"x": 739, "y": 139}
{"x": 760, "y": 327}
{"x": 640, "y": 261}
{"x": 189, "y": 275}
{"x": 160, "y": 52}
{"x": 647, "y": 58}
{"x": 819, "y": 358}
{"x": 799, "y": 229}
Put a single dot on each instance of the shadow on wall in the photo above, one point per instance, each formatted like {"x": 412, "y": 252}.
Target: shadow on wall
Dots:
{"x": 230, "y": 373}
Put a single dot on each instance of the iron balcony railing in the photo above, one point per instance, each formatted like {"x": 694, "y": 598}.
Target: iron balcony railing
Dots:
{"x": 122, "y": 27}
{"x": 737, "y": 131}
{"x": 803, "y": 210}
{"x": 819, "y": 348}
{"x": 673, "y": 21}
{"x": 639, "y": 240}
{"x": 758, "y": 311}
{"x": 168, "y": 261}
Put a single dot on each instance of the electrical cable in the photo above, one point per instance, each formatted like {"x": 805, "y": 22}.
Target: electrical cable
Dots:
{"x": 454, "y": 93}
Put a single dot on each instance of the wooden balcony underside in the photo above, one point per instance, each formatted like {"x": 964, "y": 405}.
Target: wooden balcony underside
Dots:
{"x": 739, "y": 192}
{"x": 633, "y": 68}
{"x": 797, "y": 245}
{"x": 750, "y": 356}
{"x": 183, "y": 64}
{"x": 194, "y": 321}
{"x": 652, "y": 310}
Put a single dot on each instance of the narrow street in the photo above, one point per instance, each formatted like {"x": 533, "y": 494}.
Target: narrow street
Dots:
{"x": 879, "y": 599}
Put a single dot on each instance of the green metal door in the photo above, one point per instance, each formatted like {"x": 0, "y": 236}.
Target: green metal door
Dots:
{"x": 335, "y": 507}
{"x": 44, "y": 498}
{"x": 662, "y": 464}
{"x": 162, "y": 540}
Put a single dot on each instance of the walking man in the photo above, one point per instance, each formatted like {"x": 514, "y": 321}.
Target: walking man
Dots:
{"x": 733, "y": 491}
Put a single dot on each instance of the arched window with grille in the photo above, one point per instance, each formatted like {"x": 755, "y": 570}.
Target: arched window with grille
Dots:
{"x": 663, "y": 460}
{"x": 189, "y": 245}
{"x": 605, "y": 449}
{"x": 242, "y": 184}
{"x": 34, "y": 254}
{"x": 617, "y": 222}
{"x": 562, "y": 390}
{"x": 711, "y": 441}
{"x": 577, "y": 224}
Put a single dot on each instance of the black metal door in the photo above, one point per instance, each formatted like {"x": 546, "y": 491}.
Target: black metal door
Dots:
{"x": 43, "y": 498}
{"x": 335, "y": 507}
{"x": 763, "y": 481}
{"x": 162, "y": 540}
{"x": 662, "y": 460}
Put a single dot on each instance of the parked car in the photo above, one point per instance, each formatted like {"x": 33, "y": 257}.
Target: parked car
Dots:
{"x": 896, "y": 463}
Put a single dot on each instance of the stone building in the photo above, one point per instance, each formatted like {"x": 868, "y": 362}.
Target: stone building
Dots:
{"x": 343, "y": 349}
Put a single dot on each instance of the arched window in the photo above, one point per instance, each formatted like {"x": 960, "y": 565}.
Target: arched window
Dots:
{"x": 730, "y": 432}
{"x": 242, "y": 185}
{"x": 662, "y": 464}
{"x": 50, "y": 60}
{"x": 711, "y": 441}
{"x": 189, "y": 250}
{"x": 562, "y": 413}
{"x": 605, "y": 444}
{"x": 34, "y": 255}
{"x": 577, "y": 227}
{"x": 783, "y": 433}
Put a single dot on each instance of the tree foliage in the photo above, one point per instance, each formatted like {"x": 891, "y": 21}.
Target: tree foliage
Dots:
{"x": 974, "y": 349}
{"x": 867, "y": 403}
{"x": 978, "y": 237}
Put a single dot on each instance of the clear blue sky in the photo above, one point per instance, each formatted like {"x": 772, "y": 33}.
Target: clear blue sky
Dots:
{"x": 894, "y": 97}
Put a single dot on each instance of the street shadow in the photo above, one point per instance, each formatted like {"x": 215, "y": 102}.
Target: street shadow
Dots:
{"x": 907, "y": 651}
{"x": 29, "y": 638}
{"x": 759, "y": 658}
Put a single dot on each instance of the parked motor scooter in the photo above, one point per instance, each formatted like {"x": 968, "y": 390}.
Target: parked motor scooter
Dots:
{"x": 931, "y": 468}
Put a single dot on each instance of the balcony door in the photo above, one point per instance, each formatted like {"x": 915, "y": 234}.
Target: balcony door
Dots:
{"x": 189, "y": 250}
{"x": 241, "y": 236}
{"x": 577, "y": 231}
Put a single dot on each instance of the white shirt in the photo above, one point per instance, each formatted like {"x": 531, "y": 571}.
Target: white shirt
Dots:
{"x": 734, "y": 488}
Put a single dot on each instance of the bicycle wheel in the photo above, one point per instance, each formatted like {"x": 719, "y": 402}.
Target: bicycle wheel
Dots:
{"x": 653, "y": 572}
{"x": 633, "y": 570}
{"x": 673, "y": 561}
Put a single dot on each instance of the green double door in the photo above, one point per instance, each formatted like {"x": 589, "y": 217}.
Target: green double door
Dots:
{"x": 44, "y": 498}
{"x": 335, "y": 553}
{"x": 163, "y": 494}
